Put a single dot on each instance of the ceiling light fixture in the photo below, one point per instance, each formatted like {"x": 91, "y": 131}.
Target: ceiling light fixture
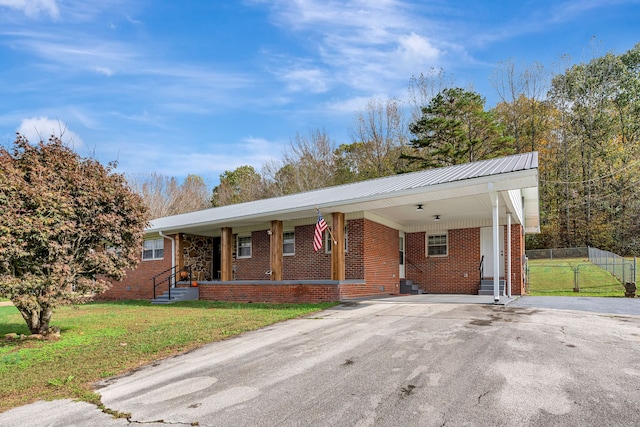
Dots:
{"x": 437, "y": 218}
{"x": 419, "y": 208}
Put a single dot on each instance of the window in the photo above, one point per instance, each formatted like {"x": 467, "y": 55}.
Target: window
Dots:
{"x": 437, "y": 245}
{"x": 153, "y": 249}
{"x": 289, "y": 243}
{"x": 244, "y": 247}
{"x": 116, "y": 250}
{"x": 329, "y": 241}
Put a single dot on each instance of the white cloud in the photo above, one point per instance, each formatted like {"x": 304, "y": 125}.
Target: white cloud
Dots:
{"x": 351, "y": 105}
{"x": 367, "y": 46}
{"x": 103, "y": 70}
{"x": 32, "y": 8}
{"x": 311, "y": 79}
{"x": 41, "y": 128}
{"x": 415, "y": 47}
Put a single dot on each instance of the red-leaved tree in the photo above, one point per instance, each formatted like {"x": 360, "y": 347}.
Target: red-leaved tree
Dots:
{"x": 68, "y": 225}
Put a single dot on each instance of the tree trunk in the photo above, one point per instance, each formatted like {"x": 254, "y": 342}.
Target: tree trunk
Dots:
{"x": 37, "y": 319}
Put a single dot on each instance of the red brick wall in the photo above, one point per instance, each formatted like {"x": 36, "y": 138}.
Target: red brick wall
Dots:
{"x": 445, "y": 274}
{"x": 354, "y": 258}
{"x": 517, "y": 259}
{"x": 381, "y": 258}
{"x": 138, "y": 284}
{"x": 306, "y": 264}
{"x": 266, "y": 292}
{"x": 254, "y": 268}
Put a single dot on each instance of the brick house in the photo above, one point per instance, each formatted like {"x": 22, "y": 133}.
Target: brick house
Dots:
{"x": 458, "y": 229}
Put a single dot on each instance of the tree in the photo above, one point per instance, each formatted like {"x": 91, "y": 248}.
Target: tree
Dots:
{"x": 521, "y": 90}
{"x": 423, "y": 88}
{"x": 164, "y": 196}
{"x": 68, "y": 225}
{"x": 243, "y": 184}
{"x": 454, "y": 129}
{"x": 585, "y": 94}
{"x": 309, "y": 163}
{"x": 378, "y": 135}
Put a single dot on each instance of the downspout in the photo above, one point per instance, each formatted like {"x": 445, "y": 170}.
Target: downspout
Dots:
{"x": 173, "y": 256}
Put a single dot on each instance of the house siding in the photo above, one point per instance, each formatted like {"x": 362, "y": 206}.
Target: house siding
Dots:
{"x": 254, "y": 268}
{"x": 517, "y": 259}
{"x": 445, "y": 274}
{"x": 458, "y": 272}
{"x": 306, "y": 264}
{"x": 381, "y": 258}
{"x": 137, "y": 283}
{"x": 270, "y": 292}
{"x": 371, "y": 266}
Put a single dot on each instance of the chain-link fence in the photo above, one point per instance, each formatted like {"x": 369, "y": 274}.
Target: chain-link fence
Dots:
{"x": 622, "y": 268}
{"x": 558, "y": 253}
{"x": 567, "y": 271}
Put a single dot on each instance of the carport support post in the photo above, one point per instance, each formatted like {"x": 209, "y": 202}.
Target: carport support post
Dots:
{"x": 507, "y": 287}
{"x": 496, "y": 243}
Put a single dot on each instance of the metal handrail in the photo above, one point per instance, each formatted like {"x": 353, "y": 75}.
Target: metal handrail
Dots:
{"x": 481, "y": 268}
{"x": 170, "y": 278}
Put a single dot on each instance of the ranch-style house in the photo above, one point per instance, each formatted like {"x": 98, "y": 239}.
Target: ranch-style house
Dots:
{"x": 454, "y": 230}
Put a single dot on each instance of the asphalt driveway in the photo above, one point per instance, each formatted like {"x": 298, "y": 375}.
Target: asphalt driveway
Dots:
{"x": 388, "y": 362}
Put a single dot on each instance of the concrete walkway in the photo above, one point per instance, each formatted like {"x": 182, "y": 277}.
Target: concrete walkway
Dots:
{"x": 435, "y": 299}
{"x": 624, "y": 306}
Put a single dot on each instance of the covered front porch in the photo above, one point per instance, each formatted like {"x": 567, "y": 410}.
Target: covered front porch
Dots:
{"x": 380, "y": 233}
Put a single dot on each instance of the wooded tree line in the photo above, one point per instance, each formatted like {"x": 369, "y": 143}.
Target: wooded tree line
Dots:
{"x": 584, "y": 121}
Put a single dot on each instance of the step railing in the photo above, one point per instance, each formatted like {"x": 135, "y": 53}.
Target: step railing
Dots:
{"x": 481, "y": 268}
{"x": 168, "y": 277}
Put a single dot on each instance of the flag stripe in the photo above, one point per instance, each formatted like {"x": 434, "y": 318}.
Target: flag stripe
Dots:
{"x": 321, "y": 225}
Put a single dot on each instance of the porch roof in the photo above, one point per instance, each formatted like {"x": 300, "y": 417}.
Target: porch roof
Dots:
{"x": 456, "y": 193}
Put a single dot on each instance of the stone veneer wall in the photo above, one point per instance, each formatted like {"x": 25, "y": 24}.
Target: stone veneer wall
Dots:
{"x": 197, "y": 251}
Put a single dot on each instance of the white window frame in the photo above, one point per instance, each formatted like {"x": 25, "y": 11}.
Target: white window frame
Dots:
{"x": 156, "y": 249}
{"x": 244, "y": 242}
{"x": 328, "y": 241}
{"x": 116, "y": 250}
{"x": 437, "y": 244}
{"x": 288, "y": 241}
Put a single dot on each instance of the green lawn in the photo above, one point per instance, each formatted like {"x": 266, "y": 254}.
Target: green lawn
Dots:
{"x": 556, "y": 277}
{"x": 99, "y": 340}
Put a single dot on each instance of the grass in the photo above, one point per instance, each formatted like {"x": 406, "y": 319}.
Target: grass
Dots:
{"x": 556, "y": 277}
{"x": 100, "y": 340}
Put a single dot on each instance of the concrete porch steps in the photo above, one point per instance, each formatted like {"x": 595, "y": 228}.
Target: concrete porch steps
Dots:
{"x": 407, "y": 287}
{"x": 177, "y": 294}
{"x": 486, "y": 287}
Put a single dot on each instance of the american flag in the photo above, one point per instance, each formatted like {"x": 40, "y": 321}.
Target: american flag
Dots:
{"x": 321, "y": 225}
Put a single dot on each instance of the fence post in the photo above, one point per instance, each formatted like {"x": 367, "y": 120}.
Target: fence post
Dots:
{"x": 635, "y": 271}
{"x": 576, "y": 287}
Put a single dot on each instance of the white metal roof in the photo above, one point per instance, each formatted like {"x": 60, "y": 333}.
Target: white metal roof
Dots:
{"x": 459, "y": 187}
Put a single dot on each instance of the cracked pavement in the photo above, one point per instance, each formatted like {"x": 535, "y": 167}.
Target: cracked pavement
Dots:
{"x": 386, "y": 362}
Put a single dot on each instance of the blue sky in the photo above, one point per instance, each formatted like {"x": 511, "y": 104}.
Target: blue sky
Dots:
{"x": 197, "y": 86}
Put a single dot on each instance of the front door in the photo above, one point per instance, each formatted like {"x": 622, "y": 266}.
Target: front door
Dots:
{"x": 486, "y": 250}
{"x": 402, "y": 269}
